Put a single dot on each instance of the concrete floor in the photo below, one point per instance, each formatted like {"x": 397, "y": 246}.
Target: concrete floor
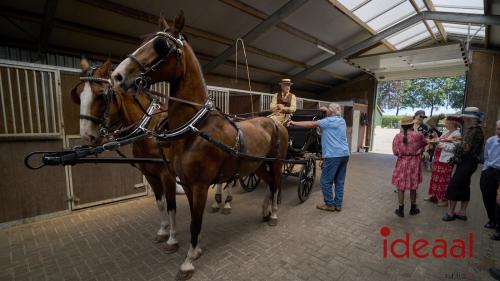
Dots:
{"x": 114, "y": 242}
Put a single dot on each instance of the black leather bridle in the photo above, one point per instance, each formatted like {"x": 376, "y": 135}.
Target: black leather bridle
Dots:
{"x": 103, "y": 122}
{"x": 174, "y": 45}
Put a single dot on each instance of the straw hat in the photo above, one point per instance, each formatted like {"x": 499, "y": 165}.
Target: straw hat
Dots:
{"x": 286, "y": 81}
{"x": 472, "y": 112}
{"x": 407, "y": 120}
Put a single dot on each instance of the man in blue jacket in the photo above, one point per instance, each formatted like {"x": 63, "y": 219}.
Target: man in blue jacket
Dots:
{"x": 335, "y": 155}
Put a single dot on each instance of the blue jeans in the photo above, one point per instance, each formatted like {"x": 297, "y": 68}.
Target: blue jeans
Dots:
{"x": 334, "y": 170}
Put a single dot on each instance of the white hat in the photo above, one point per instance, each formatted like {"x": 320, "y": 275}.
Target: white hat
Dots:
{"x": 286, "y": 81}
{"x": 472, "y": 112}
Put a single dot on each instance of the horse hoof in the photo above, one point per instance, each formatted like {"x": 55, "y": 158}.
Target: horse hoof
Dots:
{"x": 214, "y": 210}
{"x": 226, "y": 211}
{"x": 184, "y": 275}
{"x": 266, "y": 218}
{"x": 272, "y": 222}
{"x": 160, "y": 238}
{"x": 171, "y": 248}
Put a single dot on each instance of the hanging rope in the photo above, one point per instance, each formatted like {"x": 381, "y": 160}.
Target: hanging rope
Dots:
{"x": 248, "y": 71}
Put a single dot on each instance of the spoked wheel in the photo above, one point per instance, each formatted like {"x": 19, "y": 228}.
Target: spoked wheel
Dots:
{"x": 249, "y": 183}
{"x": 306, "y": 179}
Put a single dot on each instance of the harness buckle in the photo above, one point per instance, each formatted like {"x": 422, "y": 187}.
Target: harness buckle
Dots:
{"x": 141, "y": 82}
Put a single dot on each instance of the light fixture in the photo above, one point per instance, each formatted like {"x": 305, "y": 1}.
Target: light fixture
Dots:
{"x": 326, "y": 50}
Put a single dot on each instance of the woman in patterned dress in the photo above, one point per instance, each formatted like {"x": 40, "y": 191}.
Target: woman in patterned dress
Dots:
{"x": 441, "y": 166}
{"x": 407, "y": 175}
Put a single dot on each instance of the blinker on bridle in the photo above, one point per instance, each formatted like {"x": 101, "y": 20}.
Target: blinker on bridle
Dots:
{"x": 108, "y": 94}
{"x": 142, "y": 81}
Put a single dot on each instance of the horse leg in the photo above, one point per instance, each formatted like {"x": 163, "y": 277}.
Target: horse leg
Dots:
{"x": 172, "y": 244}
{"x": 264, "y": 175}
{"x": 227, "y": 203}
{"x": 275, "y": 190}
{"x": 197, "y": 196}
{"x": 157, "y": 186}
{"x": 218, "y": 198}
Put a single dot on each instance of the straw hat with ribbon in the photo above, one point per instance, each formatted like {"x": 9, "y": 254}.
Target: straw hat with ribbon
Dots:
{"x": 286, "y": 81}
{"x": 472, "y": 112}
{"x": 407, "y": 120}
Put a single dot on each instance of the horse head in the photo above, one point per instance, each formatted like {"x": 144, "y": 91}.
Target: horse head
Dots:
{"x": 158, "y": 58}
{"x": 96, "y": 98}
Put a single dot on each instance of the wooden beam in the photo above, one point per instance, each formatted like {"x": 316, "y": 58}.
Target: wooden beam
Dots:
{"x": 231, "y": 63}
{"x": 429, "y": 29}
{"x": 249, "y": 10}
{"x": 442, "y": 31}
{"x": 285, "y": 10}
{"x": 47, "y": 24}
{"x": 153, "y": 19}
{"x": 355, "y": 18}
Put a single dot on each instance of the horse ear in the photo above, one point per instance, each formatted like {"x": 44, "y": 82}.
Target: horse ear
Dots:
{"x": 84, "y": 64}
{"x": 179, "y": 21}
{"x": 163, "y": 23}
{"x": 105, "y": 69}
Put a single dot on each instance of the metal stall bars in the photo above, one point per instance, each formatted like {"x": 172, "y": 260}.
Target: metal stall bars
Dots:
{"x": 30, "y": 101}
{"x": 31, "y": 118}
{"x": 220, "y": 97}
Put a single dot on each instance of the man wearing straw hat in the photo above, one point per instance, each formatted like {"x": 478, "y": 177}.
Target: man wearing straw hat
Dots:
{"x": 284, "y": 103}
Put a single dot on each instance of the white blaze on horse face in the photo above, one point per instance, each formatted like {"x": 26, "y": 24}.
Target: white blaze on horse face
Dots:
{"x": 127, "y": 68}
{"x": 87, "y": 128}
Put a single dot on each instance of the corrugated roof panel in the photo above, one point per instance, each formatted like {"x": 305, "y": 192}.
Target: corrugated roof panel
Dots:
{"x": 409, "y": 33}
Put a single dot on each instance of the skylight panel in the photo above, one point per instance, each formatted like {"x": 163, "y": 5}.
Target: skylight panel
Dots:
{"x": 408, "y": 33}
{"x": 375, "y": 8}
{"x": 388, "y": 19}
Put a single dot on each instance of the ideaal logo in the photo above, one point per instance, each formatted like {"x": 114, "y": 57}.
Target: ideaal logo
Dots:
{"x": 423, "y": 248}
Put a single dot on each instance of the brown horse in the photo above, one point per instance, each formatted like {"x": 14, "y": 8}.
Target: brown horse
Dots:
{"x": 197, "y": 162}
{"x": 99, "y": 107}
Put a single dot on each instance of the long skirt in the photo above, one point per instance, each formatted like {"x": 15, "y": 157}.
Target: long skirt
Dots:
{"x": 440, "y": 177}
{"x": 459, "y": 186}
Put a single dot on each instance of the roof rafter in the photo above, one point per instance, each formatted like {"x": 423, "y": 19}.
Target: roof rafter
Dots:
{"x": 442, "y": 31}
{"x": 425, "y": 15}
{"x": 153, "y": 19}
{"x": 355, "y": 18}
{"x": 290, "y": 7}
{"x": 243, "y": 7}
{"x": 417, "y": 9}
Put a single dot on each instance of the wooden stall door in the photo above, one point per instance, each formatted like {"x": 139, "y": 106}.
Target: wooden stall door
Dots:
{"x": 93, "y": 184}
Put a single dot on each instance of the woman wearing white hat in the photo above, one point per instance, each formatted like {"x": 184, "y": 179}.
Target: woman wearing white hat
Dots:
{"x": 467, "y": 156}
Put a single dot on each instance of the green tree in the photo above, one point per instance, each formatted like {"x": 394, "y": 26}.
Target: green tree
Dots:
{"x": 455, "y": 89}
{"x": 391, "y": 95}
{"x": 435, "y": 92}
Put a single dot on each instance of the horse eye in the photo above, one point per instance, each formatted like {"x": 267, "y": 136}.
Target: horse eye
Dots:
{"x": 161, "y": 46}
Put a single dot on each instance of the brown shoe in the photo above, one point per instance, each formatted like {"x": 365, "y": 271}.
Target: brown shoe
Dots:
{"x": 338, "y": 209}
{"x": 325, "y": 207}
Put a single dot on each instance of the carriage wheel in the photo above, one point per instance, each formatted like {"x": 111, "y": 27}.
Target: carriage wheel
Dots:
{"x": 306, "y": 179}
{"x": 250, "y": 182}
